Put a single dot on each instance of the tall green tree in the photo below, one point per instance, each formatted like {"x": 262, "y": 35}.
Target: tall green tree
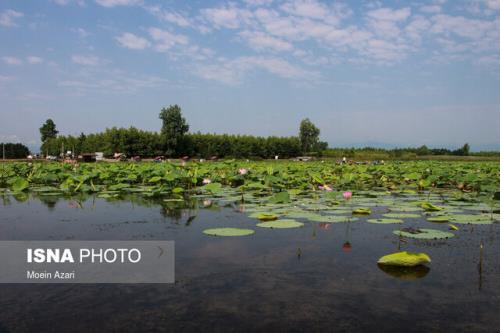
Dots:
{"x": 173, "y": 129}
{"x": 48, "y": 130}
{"x": 309, "y": 135}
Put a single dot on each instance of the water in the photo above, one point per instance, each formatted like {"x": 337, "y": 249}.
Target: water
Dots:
{"x": 305, "y": 279}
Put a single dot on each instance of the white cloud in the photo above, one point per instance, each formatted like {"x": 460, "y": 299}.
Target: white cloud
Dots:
{"x": 114, "y": 3}
{"x": 227, "y": 17}
{"x": 80, "y": 3}
{"x": 33, "y": 60}
{"x": 388, "y": 14}
{"x": 262, "y": 41}
{"x": 176, "y": 18}
{"x": 132, "y": 41}
{"x": 12, "y": 61}
{"x": 166, "y": 40}
{"x": 82, "y": 33}
{"x": 493, "y": 4}
{"x": 306, "y": 8}
{"x": 232, "y": 72}
{"x": 8, "y": 17}
{"x": 86, "y": 60}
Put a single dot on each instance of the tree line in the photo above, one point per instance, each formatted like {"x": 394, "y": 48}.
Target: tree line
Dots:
{"x": 174, "y": 140}
{"x": 13, "y": 150}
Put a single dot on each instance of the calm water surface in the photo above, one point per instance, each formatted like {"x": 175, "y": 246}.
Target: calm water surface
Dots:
{"x": 316, "y": 278}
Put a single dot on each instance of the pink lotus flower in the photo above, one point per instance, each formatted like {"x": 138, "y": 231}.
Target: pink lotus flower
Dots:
{"x": 243, "y": 171}
{"x": 206, "y": 181}
{"x": 347, "y": 195}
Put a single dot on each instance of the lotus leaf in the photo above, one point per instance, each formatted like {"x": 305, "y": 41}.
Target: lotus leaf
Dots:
{"x": 405, "y": 259}
{"x": 226, "y": 232}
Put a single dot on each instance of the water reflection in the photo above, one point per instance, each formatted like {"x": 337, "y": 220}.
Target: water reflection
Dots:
{"x": 405, "y": 273}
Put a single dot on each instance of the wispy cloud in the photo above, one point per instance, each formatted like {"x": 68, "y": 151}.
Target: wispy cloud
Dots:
{"x": 263, "y": 41}
{"x": 12, "y": 61}
{"x": 165, "y": 40}
{"x": 232, "y": 72}
{"x": 33, "y": 60}
{"x": 114, "y": 3}
{"x": 8, "y": 18}
{"x": 132, "y": 41}
{"x": 86, "y": 60}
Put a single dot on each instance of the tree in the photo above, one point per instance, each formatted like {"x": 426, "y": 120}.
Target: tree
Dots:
{"x": 464, "y": 151}
{"x": 13, "y": 150}
{"x": 309, "y": 135}
{"x": 173, "y": 129}
{"x": 48, "y": 130}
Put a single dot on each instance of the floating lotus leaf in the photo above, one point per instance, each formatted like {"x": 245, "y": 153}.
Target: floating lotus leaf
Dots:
{"x": 264, "y": 216}
{"x": 361, "y": 211}
{"x": 227, "y": 232}
{"x": 405, "y": 273}
{"x": 301, "y": 214}
{"x": 481, "y": 208}
{"x": 427, "y": 206}
{"x": 405, "y": 209}
{"x": 331, "y": 218}
{"x": 439, "y": 219}
{"x": 423, "y": 233}
{"x": 338, "y": 212}
{"x": 471, "y": 219}
{"x": 401, "y": 215}
{"x": 452, "y": 227}
{"x": 281, "y": 197}
{"x": 281, "y": 224}
{"x": 384, "y": 221}
{"x": 405, "y": 259}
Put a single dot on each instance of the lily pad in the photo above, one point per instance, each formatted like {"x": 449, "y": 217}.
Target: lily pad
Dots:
{"x": 405, "y": 209}
{"x": 384, "y": 221}
{"x": 471, "y": 219}
{"x": 427, "y": 206}
{"x": 281, "y": 224}
{"x": 264, "y": 216}
{"x": 331, "y": 218}
{"x": 404, "y": 259}
{"x": 361, "y": 211}
{"x": 423, "y": 233}
{"x": 439, "y": 219}
{"x": 401, "y": 215}
{"x": 228, "y": 232}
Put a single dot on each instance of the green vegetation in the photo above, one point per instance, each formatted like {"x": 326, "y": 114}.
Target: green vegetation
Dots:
{"x": 13, "y": 150}
{"x": 468, "y": 180}
{"x": 172, "y": 130}
{"x": 48, "y": 130}
{"x": 405, "y": 259}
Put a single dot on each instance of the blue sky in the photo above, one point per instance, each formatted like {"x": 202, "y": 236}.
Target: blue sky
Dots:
{"x": 366, "y": 72}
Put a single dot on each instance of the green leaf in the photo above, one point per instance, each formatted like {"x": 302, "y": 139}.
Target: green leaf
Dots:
{"x": 423, "y": 233}
{"x": 213, "y": 187}
{"x": 427, "y": 206}
{"x": 228, "y": 232}
{"x": 362, "y": 211}
{"x": 405, "y": 259}
{"x": 281, "y": 224}
{"x": 384, "y": 221}
{"x": 19, "y": 185}
{"x": 281, "y": 197}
